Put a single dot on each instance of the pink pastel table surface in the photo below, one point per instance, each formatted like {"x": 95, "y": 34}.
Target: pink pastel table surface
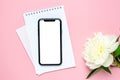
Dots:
{"x": 84, "y": 17}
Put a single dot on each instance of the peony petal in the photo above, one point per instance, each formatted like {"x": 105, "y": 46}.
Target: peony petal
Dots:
{"x": 92, "y": 65}
{"x": 109, "y": 61}
{"x": 112, "y": 38}
{"x": 113, "y": 47}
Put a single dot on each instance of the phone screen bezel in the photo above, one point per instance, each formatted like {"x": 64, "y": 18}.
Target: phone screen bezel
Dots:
{"x": 50, "y": 19}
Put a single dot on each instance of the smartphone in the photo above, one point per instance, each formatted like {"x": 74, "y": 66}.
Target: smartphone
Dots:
{"x": 50, "y": 41}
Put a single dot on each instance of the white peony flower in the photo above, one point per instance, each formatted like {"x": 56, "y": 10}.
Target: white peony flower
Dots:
{"x": 98, "y": 50}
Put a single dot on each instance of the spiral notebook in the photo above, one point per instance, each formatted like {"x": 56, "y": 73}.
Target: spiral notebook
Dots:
{"x": 28, "y": 36}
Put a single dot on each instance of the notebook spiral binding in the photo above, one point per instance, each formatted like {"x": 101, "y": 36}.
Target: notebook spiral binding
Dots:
{"x": 41, "y": 11}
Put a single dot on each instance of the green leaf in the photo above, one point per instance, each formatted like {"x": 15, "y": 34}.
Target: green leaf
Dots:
{"x": 93, "y": 72}
{"x": 118, "y": 38}
{"x": 117, "y": 52}
{"x": 106, "y": 69}
{"x": 116, "y": 61}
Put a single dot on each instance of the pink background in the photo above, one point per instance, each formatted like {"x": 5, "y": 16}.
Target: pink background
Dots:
{"x": 84, "y": 17}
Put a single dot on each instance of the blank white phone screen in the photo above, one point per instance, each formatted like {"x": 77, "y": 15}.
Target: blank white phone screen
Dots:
{"x": 49, "y": 42}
